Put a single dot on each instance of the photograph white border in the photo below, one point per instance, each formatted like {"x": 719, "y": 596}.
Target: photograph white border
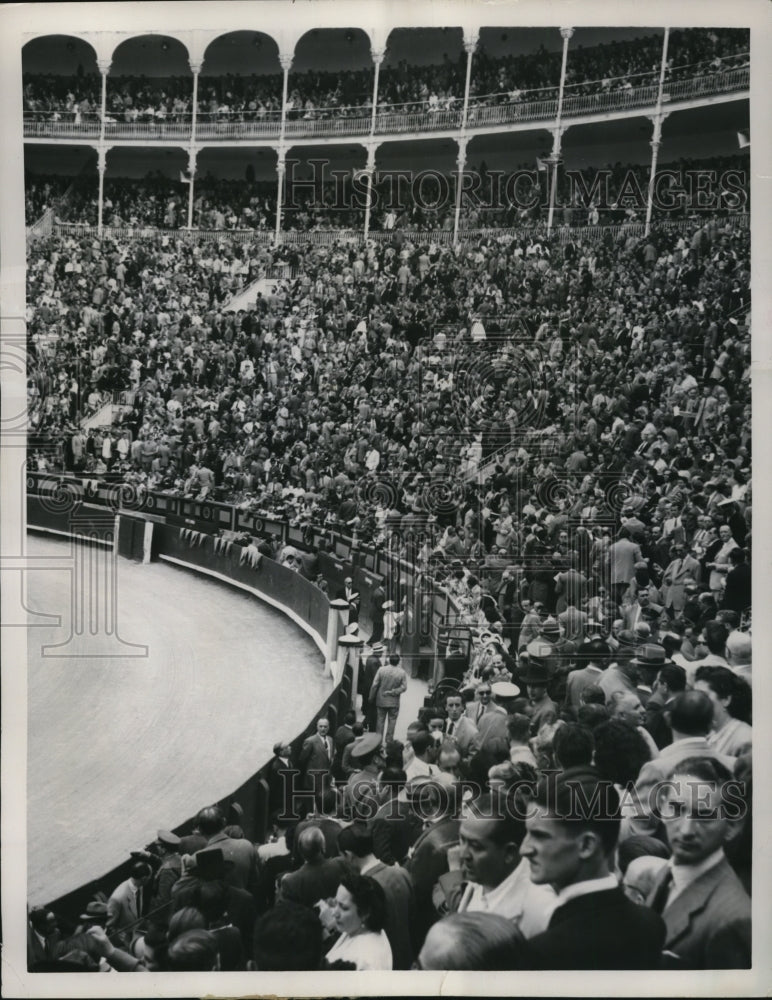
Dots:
{"x": 16, "y": 20}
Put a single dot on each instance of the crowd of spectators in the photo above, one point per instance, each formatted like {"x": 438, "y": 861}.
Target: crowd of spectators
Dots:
{"x": 718, "y": 183}
{"x": 558, "y": 433}
{"x": 425, "y": 89}
{"x": 43, "y": 192}
{"x": 161, "y": 202}
{"x": 468, "y": 846}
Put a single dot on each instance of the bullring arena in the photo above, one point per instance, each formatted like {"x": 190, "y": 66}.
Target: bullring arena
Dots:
{"x": 389, "y": 466}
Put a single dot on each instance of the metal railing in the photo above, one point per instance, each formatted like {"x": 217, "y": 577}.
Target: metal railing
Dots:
{"x": 238, "y": 125}
{"x": 50, "y": 125}
{"x": 722, "y": 82}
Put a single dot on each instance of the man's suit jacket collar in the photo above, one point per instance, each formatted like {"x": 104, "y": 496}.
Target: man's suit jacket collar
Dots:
{"x": 692, "y": 900}
{"x": 589, "y": 903}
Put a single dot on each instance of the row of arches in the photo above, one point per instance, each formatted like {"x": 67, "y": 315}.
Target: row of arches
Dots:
{"x": 248, "y": 51}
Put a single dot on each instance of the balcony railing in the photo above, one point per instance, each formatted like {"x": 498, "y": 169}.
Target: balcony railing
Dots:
{"x": 484, "y": 112}
{"x": 238, "y": 125}
{"x": 53, "y": 125}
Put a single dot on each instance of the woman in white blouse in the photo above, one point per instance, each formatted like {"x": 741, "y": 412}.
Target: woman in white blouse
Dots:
{"x": 359, "y": 913}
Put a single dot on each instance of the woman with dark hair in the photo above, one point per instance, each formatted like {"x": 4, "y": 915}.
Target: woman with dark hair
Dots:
{"x": 731, "y": 698}
{"x": 359, "y": 914}
{"x": 620, "y": 752}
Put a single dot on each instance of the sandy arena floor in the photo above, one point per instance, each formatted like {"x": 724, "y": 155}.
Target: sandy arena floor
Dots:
{"x": 120, "y": 748}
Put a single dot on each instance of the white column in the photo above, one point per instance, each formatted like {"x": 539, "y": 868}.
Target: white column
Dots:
{"x": 460, "y": 165}
{"x": 565, "y": 34}
{"x": 192, "y": 157}
{"x": 656, "y": 138}
{"x": 102, "y": 151}
{"x": 557, "y": 141}
{"x": 370, "y": 168}
{"x": 470, "y": 44}
{"x": 281, "y": 168}
{"x": 377, "y": 55}
{"x": 104, "y": 69}
{"x": 557, "y": 133}
{"x": 195, "y": 69}
{"x": 286, "y": 62}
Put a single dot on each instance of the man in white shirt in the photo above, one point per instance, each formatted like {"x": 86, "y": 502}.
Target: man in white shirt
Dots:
{"x": 415, "y": 755}
{"x": 498, "y": 879}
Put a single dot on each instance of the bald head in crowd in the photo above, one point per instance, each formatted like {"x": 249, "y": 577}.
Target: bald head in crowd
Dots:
{"x": 311, "y": 844}
{"x": 691, "y": 714}
{"x": 739, "y": 649}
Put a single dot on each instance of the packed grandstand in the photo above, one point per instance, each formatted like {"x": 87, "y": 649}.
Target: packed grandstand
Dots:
{"x": 543, "y": 405}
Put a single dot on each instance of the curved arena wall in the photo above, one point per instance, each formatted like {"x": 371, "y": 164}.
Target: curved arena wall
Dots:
{"x": 284, "y": 589}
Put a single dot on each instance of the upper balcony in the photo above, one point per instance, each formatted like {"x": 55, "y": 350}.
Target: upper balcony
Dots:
{"x": 486, "y": 113}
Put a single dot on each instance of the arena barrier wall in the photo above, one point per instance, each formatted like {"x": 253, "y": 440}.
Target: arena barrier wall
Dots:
{"x": 334, "y": 554}
{"x": 280, "y": 585}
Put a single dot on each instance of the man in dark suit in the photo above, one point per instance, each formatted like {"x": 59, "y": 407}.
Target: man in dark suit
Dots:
{"x": 706, "y": 910}
{"x": 323, "y": 817}
{"x": 352, "y": 597}
{"x": 671, "y": 680}
{"x": 395, "y": 826}
{"x": 169, "y": 872}
{"x": 43, "y": 936}
{"x": 737, "y": 595}
{"x": 367, "y": 671}
{"x": 459, "y": 728}
{"x": 428, "y": 857}
{"x": 318, "y": 877}
{"x": 279, "y": 777}
{"x": 377, "y": 598}
{"x": 209, "y": 865}
{"x": 316, "y": 757}
{"x": 571, "y": 834}
{"x": 239, "y": 850}
{"x": 344, "y": 735}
